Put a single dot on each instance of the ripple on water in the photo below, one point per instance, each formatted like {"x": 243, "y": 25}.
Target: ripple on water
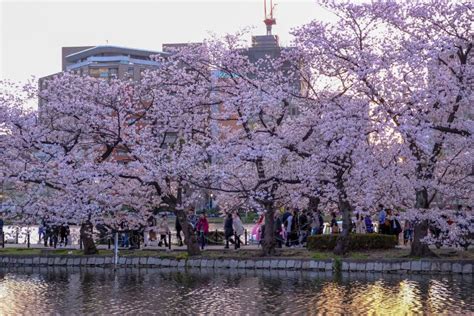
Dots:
{"x": 100, "y": 291}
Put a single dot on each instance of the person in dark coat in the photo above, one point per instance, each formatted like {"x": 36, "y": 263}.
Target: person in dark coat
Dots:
{"x": 179, "y": 229}
{"x": 304, "y": 227}
{"x": 228, "y": 230}
{"x": 369, "y": 226}
{"x": 277, "y": 229}
{"x": 295, "y": 226}
{"x": 2, "y": 238}
{"x": 1, "y": 226}
{"x": 47, "y": 233}
{"x": 285, "y": 216}
{"x": 53, "y": 242}
{"x": 64, "y": 234}
{"x": 334, "y": 225}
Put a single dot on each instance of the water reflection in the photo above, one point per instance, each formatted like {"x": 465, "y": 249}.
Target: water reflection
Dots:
{"x": 143, "y": 291}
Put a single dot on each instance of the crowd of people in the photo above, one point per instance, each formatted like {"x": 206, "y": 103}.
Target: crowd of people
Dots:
{"x": 291, "y": 228}
{"x": 233, "y": 229}
{"x": 54, "y": 235}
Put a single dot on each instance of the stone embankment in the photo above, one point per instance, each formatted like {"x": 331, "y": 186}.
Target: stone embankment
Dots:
{"x": 431, "y": 266}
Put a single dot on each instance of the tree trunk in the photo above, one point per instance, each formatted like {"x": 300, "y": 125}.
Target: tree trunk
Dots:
{"x": 419, "y": 249}
{"x": 269, "y": 242}
{"x": 190, "y": 238}
{"x": 87, "y": 239}
{"x": 342, "y": 245}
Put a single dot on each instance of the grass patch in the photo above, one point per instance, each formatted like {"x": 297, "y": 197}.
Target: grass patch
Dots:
{"x": 20, "y": 251}
{"x": 69, "y": 252}
{"x": 332, "y": 256}
{"x": 139, "y": 253}
{"x": 290, "y": 253}
{"x": 63, "y": 252}
{"x": 322, "y": 256}
{"x": 358, "y": 256}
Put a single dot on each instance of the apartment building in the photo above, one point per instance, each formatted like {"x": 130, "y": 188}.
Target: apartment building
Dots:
{"x": 106, "y": 62}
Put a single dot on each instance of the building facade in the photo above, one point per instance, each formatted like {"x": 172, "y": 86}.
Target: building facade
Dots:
{"x": 106, "y": 62}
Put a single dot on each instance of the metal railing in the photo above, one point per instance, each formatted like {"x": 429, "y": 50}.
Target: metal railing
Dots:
{"x": 23, "y": 235}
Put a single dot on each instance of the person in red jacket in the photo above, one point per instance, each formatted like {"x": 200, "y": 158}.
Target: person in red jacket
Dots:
{"x": 202, "y": 228}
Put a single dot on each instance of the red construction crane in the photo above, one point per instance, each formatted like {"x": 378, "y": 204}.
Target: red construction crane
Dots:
{"x": 269, "y": 19}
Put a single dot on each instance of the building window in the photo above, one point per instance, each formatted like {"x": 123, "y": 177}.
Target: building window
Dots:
{"x": 130, "y": 72}
{"x": 113, "y": 73}
{"x": 99, "y": 72}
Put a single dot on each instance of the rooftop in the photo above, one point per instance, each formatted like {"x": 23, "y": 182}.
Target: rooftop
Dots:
{"x": 94, "y": 51}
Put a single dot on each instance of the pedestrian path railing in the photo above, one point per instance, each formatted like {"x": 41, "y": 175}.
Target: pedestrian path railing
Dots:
{"x": 136, "y": 239}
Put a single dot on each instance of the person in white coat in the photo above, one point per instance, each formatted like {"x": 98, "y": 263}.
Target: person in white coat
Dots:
{"x": 360, "y": 224}
{"x": 238, "y": 229}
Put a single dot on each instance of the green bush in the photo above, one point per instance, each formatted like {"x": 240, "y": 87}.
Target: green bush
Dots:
{"x": 356, "y": 242}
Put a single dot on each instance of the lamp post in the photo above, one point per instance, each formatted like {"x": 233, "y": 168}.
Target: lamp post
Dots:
{"x": 210, "y": 201}
{"x": 115, "y": 249}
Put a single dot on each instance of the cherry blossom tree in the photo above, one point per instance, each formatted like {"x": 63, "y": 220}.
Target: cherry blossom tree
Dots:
{"x": 374, "y": 106}
{"x": 89, "y": 154}
{"x": 418, "y": 81}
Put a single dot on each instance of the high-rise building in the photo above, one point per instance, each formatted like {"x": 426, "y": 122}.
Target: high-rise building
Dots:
{"x": 110, "y": 61}
{"x": 106, "y": 62}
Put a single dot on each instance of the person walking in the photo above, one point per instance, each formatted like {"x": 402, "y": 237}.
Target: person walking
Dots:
{"x": 228, "y": 230}
{"x": 288, "y": 224}
{"x": 334, "y": 226}
{"x": 256, "y": 233}
{"x": 304, "y": 228}
{"x": 150, "y": 231}
{"x": 382, "y": 217}
{"x": 47, "y": 233}
{"x": 315, "y": 223}
{"x": 388, "y": 226}
{"x": 277, "y": 230}
{"x": 1, "y": 230}
{"x": 202, "y": 227}
{"x": 396, "y": 227}
{"x": 407, "y": 232}
{"x": 292, "y": 229}
{"x": 53, "y": 241}
{"x": 295, "y": 228}
{"x": 179, "y": 229}
{"x": 360, "y": 224}
{"x": 369, "y": 226}
{"x": 124, "y": 234}
{"x": 192, "y": 219}
{"x": 238, "y": 229}
{"x": 63, "y": 235}
{"x": 41, "y": 233}
{"x": 163, "y": 230}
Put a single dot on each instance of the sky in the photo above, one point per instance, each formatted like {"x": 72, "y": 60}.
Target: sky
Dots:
{"x": 33, "y": 32}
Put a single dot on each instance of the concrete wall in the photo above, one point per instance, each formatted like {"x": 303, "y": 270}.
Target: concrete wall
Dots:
{"x": 386, "y": 266}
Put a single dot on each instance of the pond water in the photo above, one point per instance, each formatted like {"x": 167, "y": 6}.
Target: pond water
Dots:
{"x": 227, "y": 292}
